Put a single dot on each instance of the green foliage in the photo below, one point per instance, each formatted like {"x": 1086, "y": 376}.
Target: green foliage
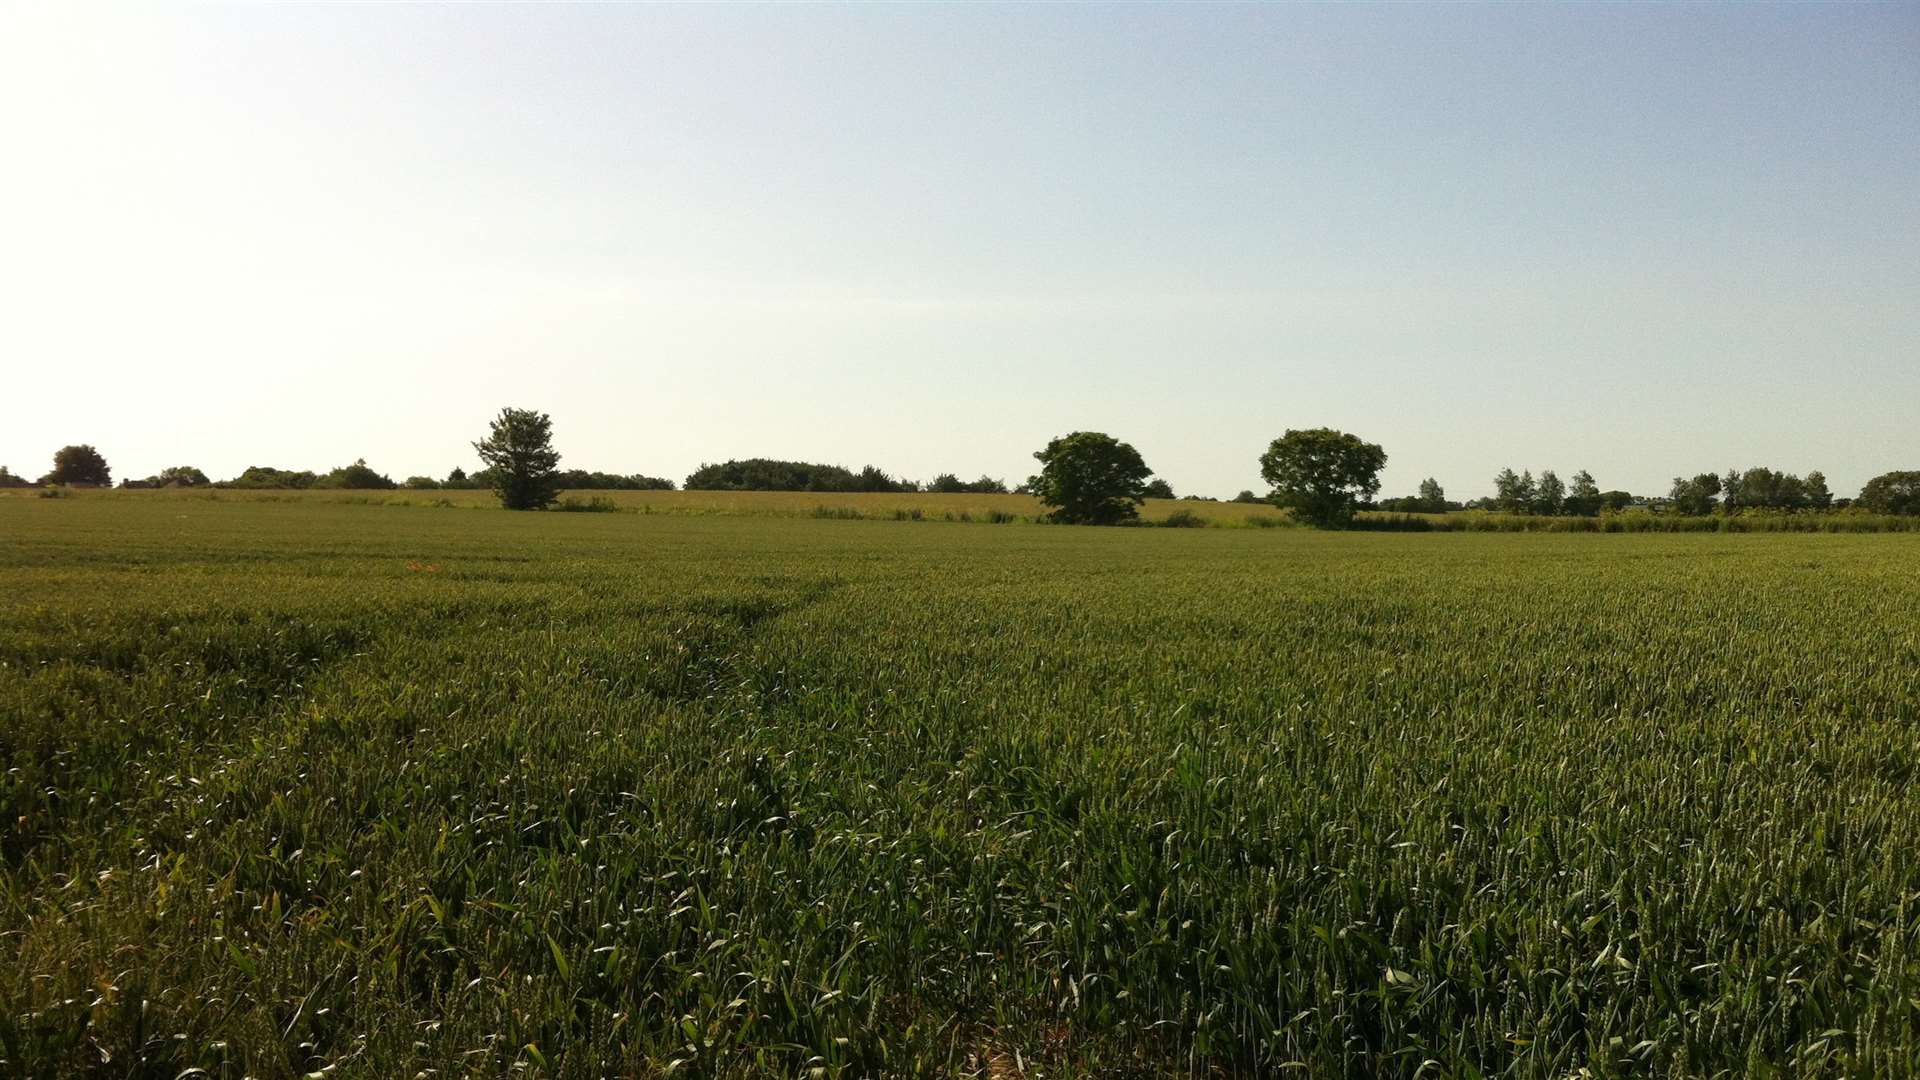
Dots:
{"x": 179, "y": 476}
{"x": 949, "y": 484}
{"x": 518, "y": 452}
{"x": 1090, "y": 478}
{"x": 11, "y": 479}
{"x": 299, "y": 787}
{"x": 1892, "y": 493}
{"x": 767, "y": 474}
{"x": 1583, "y": 496}
{"x": 583, "y": 480}
{"x": 257, "y": 477}
{"x": 80, "y": 465}
{"x": 597, "y": 504}
{"x": 358, "y": 476}
{"x": 1695, "y": 497}
{"x": 1764, "y": 489}
{"x": 1322, "y": 474}
{"x": 1158, "y": 489}
{"x": 1183, "y": 519}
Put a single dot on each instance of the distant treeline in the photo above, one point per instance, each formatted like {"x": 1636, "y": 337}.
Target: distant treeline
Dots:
{"x": 1758, "y": 491}
{"x": 767, "y": 474}
{"x": 358, "y": 476}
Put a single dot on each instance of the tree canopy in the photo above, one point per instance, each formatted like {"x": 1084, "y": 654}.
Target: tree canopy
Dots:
{"x": 1322, "y": 473}
{"x": 769, "y": 474}
{"x": 1090, "y": 478}
{"x": 80, "y": 464}
{"x": 1895, "y": 492}
{"x": 518, "y": 450}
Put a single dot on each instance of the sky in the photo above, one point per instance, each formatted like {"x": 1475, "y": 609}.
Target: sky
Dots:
{"x": 1639, "y": 239}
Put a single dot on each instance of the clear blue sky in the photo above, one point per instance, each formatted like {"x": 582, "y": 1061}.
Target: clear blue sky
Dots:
{"x": 1634, "y": 238}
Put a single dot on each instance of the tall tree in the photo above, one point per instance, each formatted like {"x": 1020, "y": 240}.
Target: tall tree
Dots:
{"x": 1583, "y": 495}
{"x": 1525, "y": 493}
{"x": 1323, "y": 474}
{"x": 80, "y": 464}
{"x": 1551, "y": 495}
{"x": 1507, "y": 492}
{"x": 1818, "y": 496}
{"x": 518, "y": 451}
{"x": 1433, "y": 498}
{"x": 1090, "y": 478}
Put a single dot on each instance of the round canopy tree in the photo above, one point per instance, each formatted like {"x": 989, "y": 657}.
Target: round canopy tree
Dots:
{"x": 1891, "y": 493}
{"x": 520, "y": 458}
{"x": 79, "y": 465}
{"x": 1090, "y": 478}
{"x": 1322, "y": 474}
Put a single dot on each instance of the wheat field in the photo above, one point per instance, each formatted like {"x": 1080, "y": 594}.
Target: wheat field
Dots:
{"x": 306, "y": 786}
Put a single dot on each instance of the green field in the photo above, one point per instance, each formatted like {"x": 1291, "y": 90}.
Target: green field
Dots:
{"x": 307, "y": 786}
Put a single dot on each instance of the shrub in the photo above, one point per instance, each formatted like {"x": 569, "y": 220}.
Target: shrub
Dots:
{"x": 1184, "y": 519}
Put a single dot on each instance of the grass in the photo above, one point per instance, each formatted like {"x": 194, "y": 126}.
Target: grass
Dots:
{"x": 305, "y": 786}
{"x": 877, "y": 506}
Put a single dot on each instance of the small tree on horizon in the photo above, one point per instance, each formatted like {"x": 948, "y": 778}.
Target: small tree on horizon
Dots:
{"x": 1158, "y": 489}
{"x": 1323, "y": 474}
{"x": 1090, "y": 478}
{"x": 518, "y": 453}
{"x": 1433, "y": 497}
{"x": 1583, "y": 496}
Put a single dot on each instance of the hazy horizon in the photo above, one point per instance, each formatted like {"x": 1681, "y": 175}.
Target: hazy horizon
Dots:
{"x": 1642, "y": 240}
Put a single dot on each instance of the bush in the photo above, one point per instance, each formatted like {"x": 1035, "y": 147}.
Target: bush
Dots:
{"x": 598, "y": 504}
{"x": 1184, "y": 519}
{"x": 358, "y": 476}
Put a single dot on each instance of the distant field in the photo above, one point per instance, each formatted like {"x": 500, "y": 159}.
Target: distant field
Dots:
{"x": 300, "y": 785}
{"x": 878, "y": 505}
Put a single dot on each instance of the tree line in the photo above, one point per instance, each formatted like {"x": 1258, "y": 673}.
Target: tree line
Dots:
{"x": 1087, "y": 477}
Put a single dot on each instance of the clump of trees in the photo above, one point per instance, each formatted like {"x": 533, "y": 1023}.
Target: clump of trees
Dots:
{"x": 1090, "y": 478}
{"x": 949, "y": 484}
{"x": 1754, "y": 489}
{"x": 358, "y": 476}
{"x": 1322, "y": 475}
{"x": 175, "y": 476}
{"x": 11, "y": 479}
{"x": 767, "y": 474}
{"x": 1765, "y": 489}
{"x": 1432, "y": 499}
{"x": 519, "y": 451}
{"x": 266, "y": 476}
